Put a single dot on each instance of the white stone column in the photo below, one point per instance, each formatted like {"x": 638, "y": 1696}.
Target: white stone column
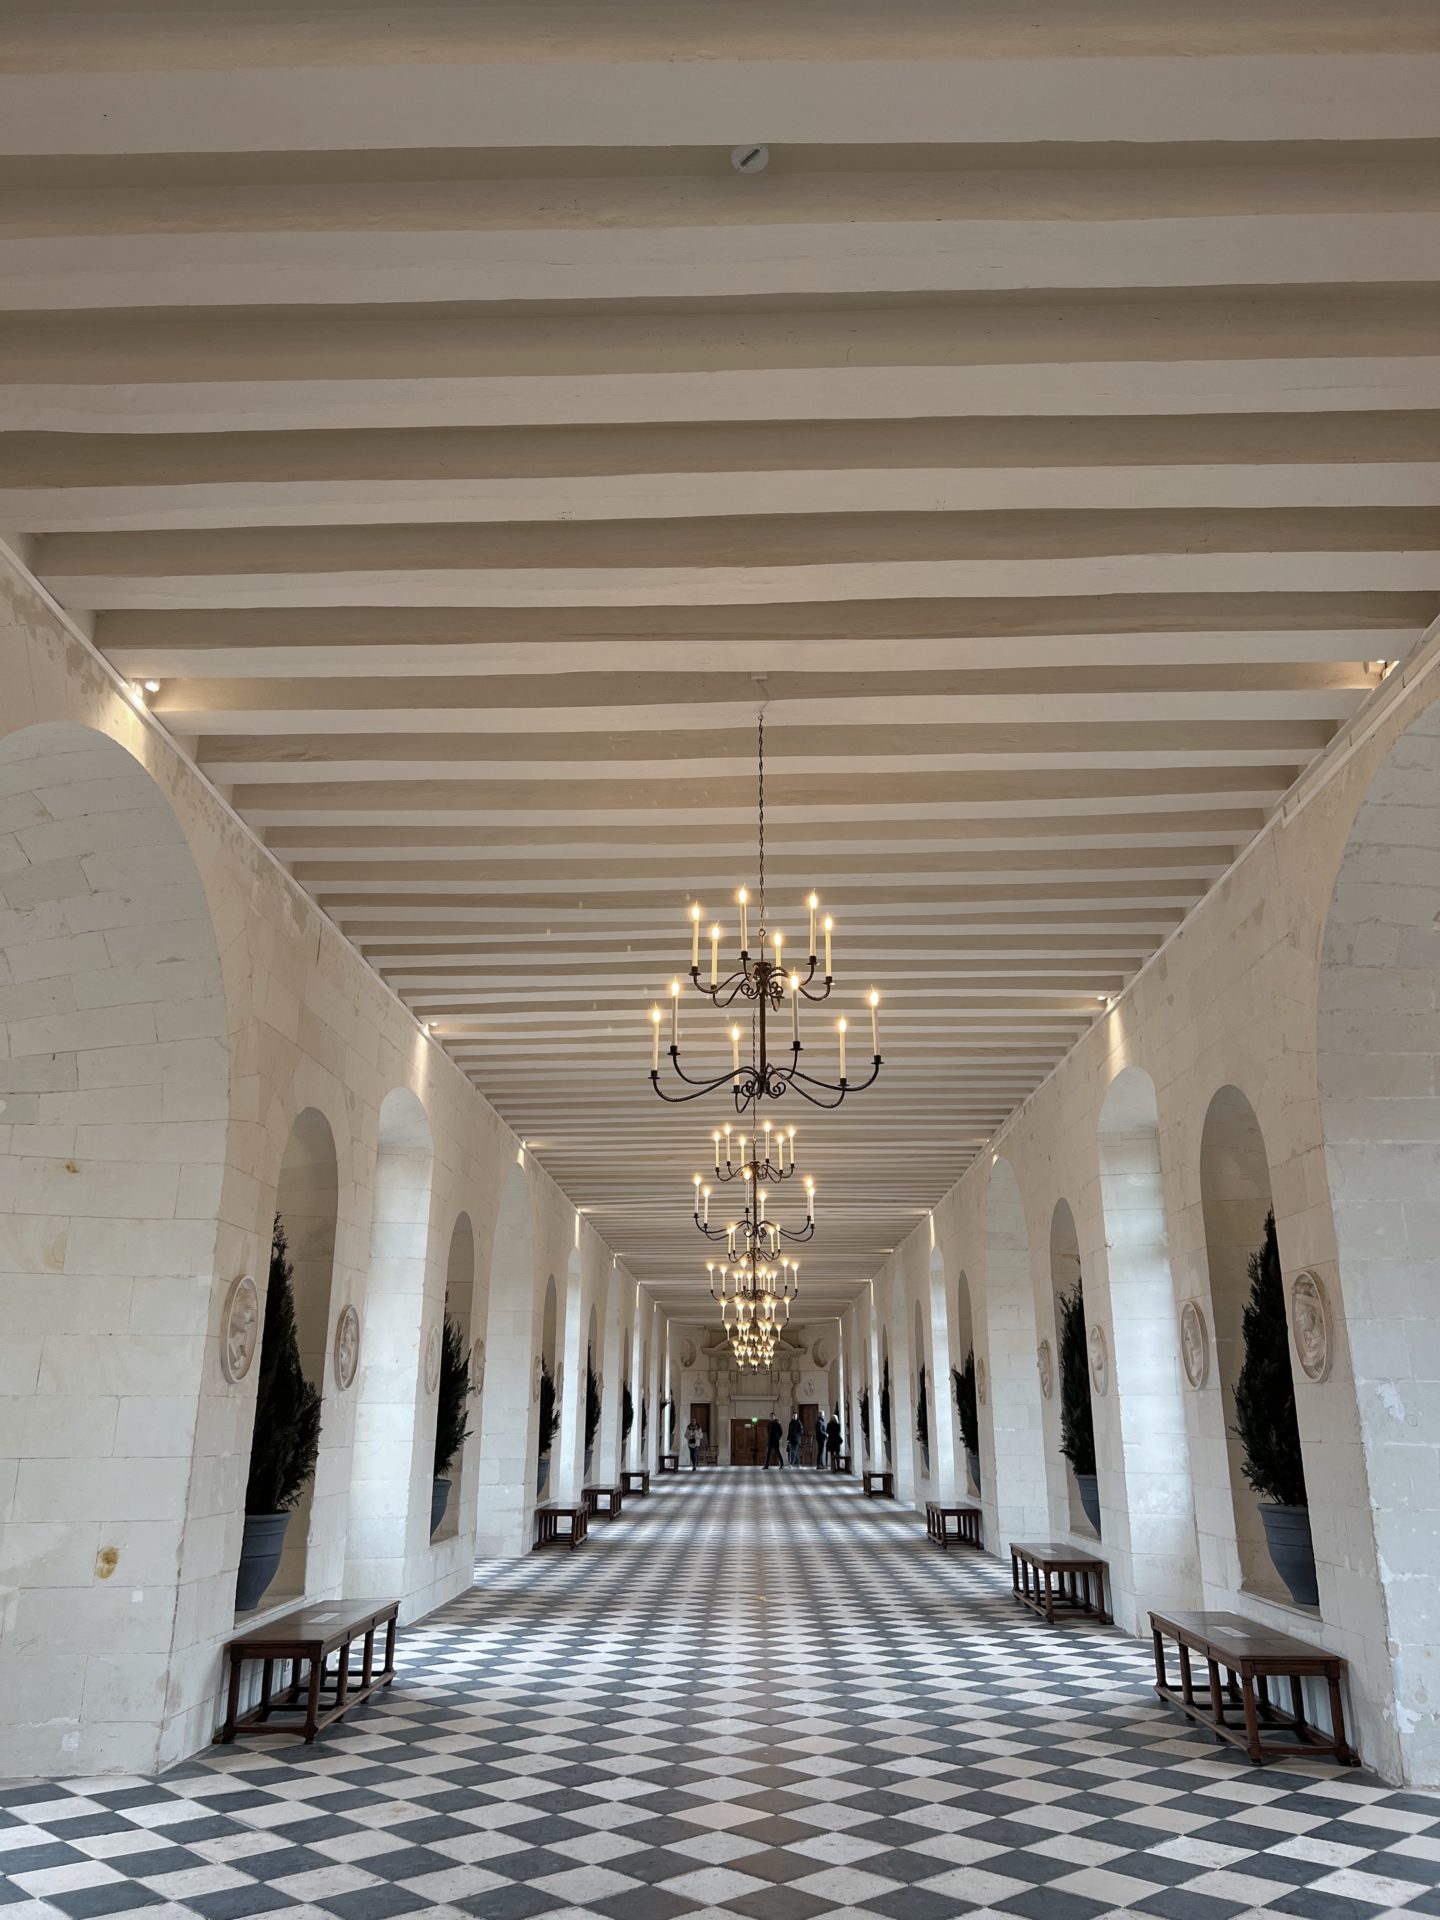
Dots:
{"x": 946, "y": 1483}
{"x": 567, "y": 1466}
{"x": 612, "y": 1368}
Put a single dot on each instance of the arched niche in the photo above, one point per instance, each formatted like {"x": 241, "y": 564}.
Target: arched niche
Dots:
{"x": 1235, "y": 1199}
{"x": 962, "y": 1346}
{"x": 114, "y": 1110}
{"x": 1147, "y": 1385}
{"x": 884, "y": 1442}
{"x": 1065, "y": 1276}
{"x": 392, "y": 1461}
{"x": 508, "y": 1412}
{"x": 1011, "y": 1419}
{"x": 594, "y": 1368}
{"x": 307, "y": 1201}
{"x": 1378, "y": 1063}
{"x": 460, "y": 1309}
{"x": 924, "y": 1372}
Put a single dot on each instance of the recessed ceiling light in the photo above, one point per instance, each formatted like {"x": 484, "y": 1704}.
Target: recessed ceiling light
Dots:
{"x": 749, "y": 159}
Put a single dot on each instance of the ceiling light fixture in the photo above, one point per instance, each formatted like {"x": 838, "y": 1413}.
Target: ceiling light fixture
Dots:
{"x": 762, "y": 979}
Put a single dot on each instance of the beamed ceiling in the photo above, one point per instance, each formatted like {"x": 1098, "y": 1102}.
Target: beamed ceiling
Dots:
{"x": 420, "y": 396}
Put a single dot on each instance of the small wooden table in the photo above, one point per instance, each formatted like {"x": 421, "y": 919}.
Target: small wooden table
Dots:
{"x": 549, "y": 1532}
{"x": 1251, "y": 1656}
{"x": 966, "y": 1530}
{"x": 669, "y": 1463}
{"x": 604, "y": 1502}
{"x": 635, "y": 1480}
{"x": 308, "y": 1637}
{"x": 840, "y": 1463}
{"x": 1045, "y": 1574}
{"x": 878, "y": 1483}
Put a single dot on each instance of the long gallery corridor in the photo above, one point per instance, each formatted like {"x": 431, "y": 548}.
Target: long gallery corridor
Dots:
{"x": 755, "y": 1694}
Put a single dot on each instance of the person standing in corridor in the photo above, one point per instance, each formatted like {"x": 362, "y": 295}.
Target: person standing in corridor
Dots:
{"x": 795, "y": 1433}
{"x": 774, "y": 1434}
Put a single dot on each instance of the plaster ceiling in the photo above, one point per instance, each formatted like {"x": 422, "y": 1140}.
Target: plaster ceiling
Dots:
{"x": 423, "y": 400}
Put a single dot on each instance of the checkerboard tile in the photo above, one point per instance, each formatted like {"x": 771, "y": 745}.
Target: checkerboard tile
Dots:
{"x": 756, "y": 1695}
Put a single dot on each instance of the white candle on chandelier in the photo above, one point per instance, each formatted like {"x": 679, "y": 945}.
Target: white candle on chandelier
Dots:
{"x": 705, "y": 1196}
{"x": 779, "y": 938}
{"x": 695, "y": 939}
{"x": 829, "y": 929}
{"x": 726, "y": 1131}
{"x": 809, "y": 1198}
{"x": 840, "y": 1029}
{"x": 744, "y": 901}
{"x": 715, "y": 954}
{"x": 874, "y": 1021}
{"x": 735, "y": 1043}
{"x": 696, "y": 1179}
{"x": 795, "y": 1008}
{"x": 813, "y": 902}
{"x": 675, "y": 1014}
{"x": 655, "y": 1030}
{"x": 716, "y": 1138}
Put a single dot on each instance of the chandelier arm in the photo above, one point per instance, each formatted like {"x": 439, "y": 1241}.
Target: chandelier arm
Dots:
{"x": 806, "y": 994}
{"x": 725, "y": 992}
{"x": 702, "y": 1087}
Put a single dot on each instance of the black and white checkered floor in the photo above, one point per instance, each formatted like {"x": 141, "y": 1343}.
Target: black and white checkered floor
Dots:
{"x": 755, "y": 1694}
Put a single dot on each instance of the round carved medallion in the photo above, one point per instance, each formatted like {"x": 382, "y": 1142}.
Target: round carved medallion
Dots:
{"x": 239, "y": 1328}
{"x": 1045, "y": 1367}
{"x": 1194, "y": 1343}
{"x": 347, "y": 1347}
{"x": 535, "y": 1371}
{"x": 820, "y": 1354}
{"x": 1099, "y": 1349}
{"x": 477, "y": 1369}
{"x": 432, "y": 1360}
{"x": 980, "y": 1387}
{"x": 1310, "y": 1322}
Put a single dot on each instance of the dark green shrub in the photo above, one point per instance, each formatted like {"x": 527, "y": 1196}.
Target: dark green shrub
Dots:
{"x": 627, "y": 1412}
{"x": 966, "y": 1403}
{"x": 1077, "y": 1419}
{"x": 549, "y": 1412}
{"x": 885, "y": 1403}
{"x": 865, "y": 1415}
{"x": 1265, "y": 1392}
{"x": 452, "y": 1427}
{"x": 922, "y": 1413}
{"x": 286, "y": 1441}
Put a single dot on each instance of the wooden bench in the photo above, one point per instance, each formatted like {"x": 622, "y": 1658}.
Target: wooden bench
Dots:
{"x": 308, "y": 1638}
{"x": 840, "y": 1463}
{"x": 604, "y": 1502}
{"x": 635, "y": 1480}
{"x": 669, "y": 1463}
{"x": 710, "y": 1456}
{"x": 878, "y": 1483}
{"x": 549, "y": 1532}
{"x": 1045, "y": 1574}
{"x": 966, "y": 1530}
{"x": 1239, "y": 1708}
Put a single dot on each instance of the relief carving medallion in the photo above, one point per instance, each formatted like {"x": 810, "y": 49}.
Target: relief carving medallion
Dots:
{"x": 432, "y": 1360}
{"x": 980, "y": 1387}
{"x": 820, "y": 1354}
{"x": 535, "y": 1372}
{"x": 1045, "y": 1367}
{"x": 477, "y": 1369}
{"x": 347, "y": 1347}
{"x": 1194, "y": 1343}
{"x": 239, "y": 1328}
{"x": 1099, "y": 1349}
{"x": 1310, "y": 1322}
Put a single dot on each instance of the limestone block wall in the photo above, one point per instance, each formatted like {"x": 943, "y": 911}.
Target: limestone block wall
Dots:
{"x": 1235, "y": 1002}
{"x": 170, "y": 1006}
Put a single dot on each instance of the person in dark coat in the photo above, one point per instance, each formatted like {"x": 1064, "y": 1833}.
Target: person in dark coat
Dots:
{"x": 774, "y": 1434}
{"x": 820, "y": 1431}
{"x": 794, "y": 1434}
{"x": 833, "y": 1441}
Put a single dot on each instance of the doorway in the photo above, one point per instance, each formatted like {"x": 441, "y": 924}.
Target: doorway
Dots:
{"x": 809, "y": 1418}
{"x": 747, "y": 1443}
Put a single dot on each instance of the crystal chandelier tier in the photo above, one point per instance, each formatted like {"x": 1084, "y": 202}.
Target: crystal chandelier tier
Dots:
{"x": 761, "y": 982}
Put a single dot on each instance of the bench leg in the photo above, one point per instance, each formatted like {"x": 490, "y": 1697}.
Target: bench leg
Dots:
{"x": 1049, "y": 1599}
{"x": 312, "y": 1702}
{"x": 1217, "y": 1696}
{"x": 232, "y": 1702}
{"x": 1162, "y": 1679}
{"x": 391, "y": 1629}
{"x": 1187, "y": 1678}
{"x": 1343, "y": 1756}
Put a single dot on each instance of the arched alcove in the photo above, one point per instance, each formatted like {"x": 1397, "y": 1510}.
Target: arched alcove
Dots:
{"x": 924, "y": 1378}
{"x": 1065, "y": 1277}
{"x": 545, "y": 1442}
{"x": 460, "y": 1305}
{"x": 884, "y": 1395}
{"x": 1378, "y": 1059}
{"x": 1147, "y": 1384}
{"x": 1235, "y": 1199}
{"x": 508, "y": 1411}
{"x": 1011, "y": 1420}
{"x": 392, "y": 1459}
{"x": 307, "y": 1200}
{"x": 591, "y": 1385}
{"x": 114, "y": 1123}
{"x": 566, "y": 1476}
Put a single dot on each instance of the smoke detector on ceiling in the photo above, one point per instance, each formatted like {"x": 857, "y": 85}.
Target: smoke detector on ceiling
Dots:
{"x": 749, "y": 159}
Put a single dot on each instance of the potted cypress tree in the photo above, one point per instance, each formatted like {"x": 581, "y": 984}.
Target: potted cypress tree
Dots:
{"x": 592, "y": 1411}
{"x": 922, "y": 1422}
{"x": 627, "y": 1415}
{"x": 865, "y": 1419}
{"x": 549, "y": 1427}
{"x": 452, "y": 1428}
{"x": 1267, "y": 1426}
{"x": 1077, "y": 1418}
{"x": 885, "y": 1405}
{"x": 968, "y": 1409}
{"x": 286, "y": 1442}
